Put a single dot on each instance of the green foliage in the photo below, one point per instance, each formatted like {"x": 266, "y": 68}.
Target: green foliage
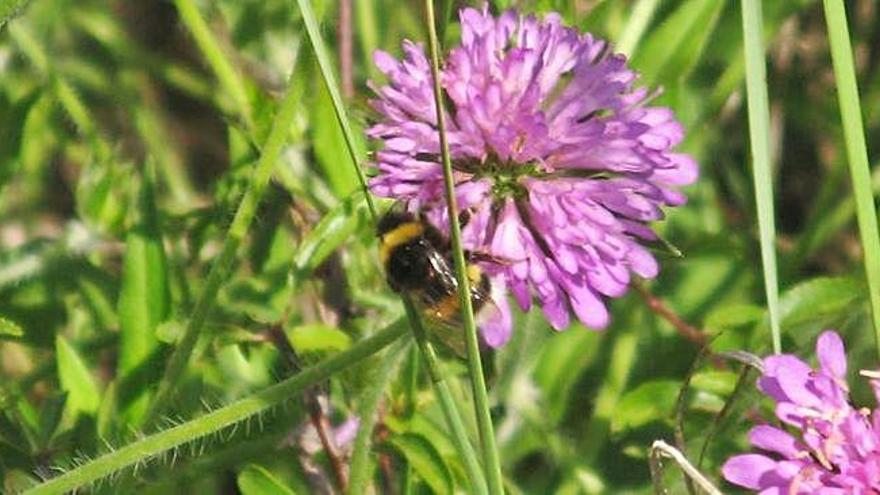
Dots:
{"x": 425, "y": 460}
{"x": 76, "y": 379}
{"x": 188, "y": 268}
{"x": 257, "y": 480}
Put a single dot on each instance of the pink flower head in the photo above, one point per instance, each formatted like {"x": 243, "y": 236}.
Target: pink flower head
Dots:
{"x": 559, "y": 162}
{"x": 834, "y": 448}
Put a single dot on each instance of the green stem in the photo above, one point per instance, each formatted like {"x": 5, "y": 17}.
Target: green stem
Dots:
{"x": 447, "y": 403}
{"x": 361, "y": 467}
{"x": 153, "y": 445}
{"x": 759, "y": 136}
{"x": 229, "y": 78}
{"x": 234, "y": 236}
{"x": 411, "y": 389}
{"x": 475, "y": 366}
{"x": 326, "y": 68}
{"x": 638, "y": 22}
{"x": 856, "y": 150}
{"x": 463, "y": 445}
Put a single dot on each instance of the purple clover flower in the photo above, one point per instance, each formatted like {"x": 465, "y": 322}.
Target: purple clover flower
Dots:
{"x": 558, "y": 160}
{"x": 835, "y": 449}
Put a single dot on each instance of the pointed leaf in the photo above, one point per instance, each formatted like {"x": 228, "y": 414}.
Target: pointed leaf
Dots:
{"x": 256, "y": 480}
{"x": 76, "y": 378}
{"x": 143, "y": 305}
{"x": 425, "y": 460}
{"x": 51, "y": 412}
{"x": 9, "y": 329}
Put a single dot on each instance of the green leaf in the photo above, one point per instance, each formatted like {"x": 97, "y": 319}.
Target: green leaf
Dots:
{"x": 100, "y": 195}
{"x": 107, "y": 412}
{"x": 9, "y": 9}
{"x": 170, "y": 331}
{"x": 9, "y": 329}
{"x": 759, "y": 138}
{"x": 650, "y": 401}
{"x": 11, "y": 128}
{"x": 257, "y": 480}
{"x": 716, "y": 382}
{"x": 819, "y": 299}
{"x": 76, "y": 379}
{"x": 318, "y": 337}
{"x": 334, "y": 228}
{"x": 51, "y": 412}
{"x": 677, "y": 44}
{"x": 856, "y": 151}
{"x": 562, "y": 361}
{"x": 143, "y": 305}
{"x": 329, "y": 145}
{"x": 733, "y": 316}
{"x": 425, "y": 460}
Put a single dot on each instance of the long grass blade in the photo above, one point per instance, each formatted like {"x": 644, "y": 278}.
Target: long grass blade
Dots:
{"x": 241, "y": 222}
{"x": 326, "y": 67}
{"x": 636, "y": 25}
{"x": 491, "y": 461}
{"x": 227, "y": 74}
{"x": 856, "y": 150}
{"x": 759, "y": 135}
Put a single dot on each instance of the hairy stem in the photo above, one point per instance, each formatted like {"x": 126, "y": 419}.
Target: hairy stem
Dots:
{"x": 149, "y": 447}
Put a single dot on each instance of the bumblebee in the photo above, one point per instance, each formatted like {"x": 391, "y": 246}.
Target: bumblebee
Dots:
{"x": 418, "y": 261}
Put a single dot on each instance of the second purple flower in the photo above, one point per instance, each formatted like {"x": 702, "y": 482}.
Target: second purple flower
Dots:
{"x": 559, "y": 162}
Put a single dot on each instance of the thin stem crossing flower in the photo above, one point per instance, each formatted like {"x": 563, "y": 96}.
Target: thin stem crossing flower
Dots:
{"x": 559, "y": 162}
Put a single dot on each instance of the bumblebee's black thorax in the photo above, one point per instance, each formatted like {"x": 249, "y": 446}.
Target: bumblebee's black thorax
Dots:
{"x": 417, "y": 260}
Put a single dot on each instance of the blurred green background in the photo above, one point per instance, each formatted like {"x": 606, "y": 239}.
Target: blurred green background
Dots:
{"x": 122, "y": 162}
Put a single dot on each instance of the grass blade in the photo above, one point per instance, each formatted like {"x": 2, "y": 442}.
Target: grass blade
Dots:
{"x": 759, "y": 136}
{"x": 635, "y": 28}
{"x": 856, "y": 150}
{"x": 228, "y": 76}
{"x": 491, "y": 461}
{"x": 241, "y": 222}
{"x": 326, "y": 67}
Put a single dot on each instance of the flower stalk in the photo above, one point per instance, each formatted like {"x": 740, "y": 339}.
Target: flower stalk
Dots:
{"x": 491, "y": 460}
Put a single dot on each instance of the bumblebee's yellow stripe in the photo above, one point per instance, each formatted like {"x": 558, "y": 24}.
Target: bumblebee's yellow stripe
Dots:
{"x": 400, "y": 235}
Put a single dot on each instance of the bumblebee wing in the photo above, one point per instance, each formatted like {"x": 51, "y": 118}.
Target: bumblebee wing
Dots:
{"x": 443, "y": 282}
